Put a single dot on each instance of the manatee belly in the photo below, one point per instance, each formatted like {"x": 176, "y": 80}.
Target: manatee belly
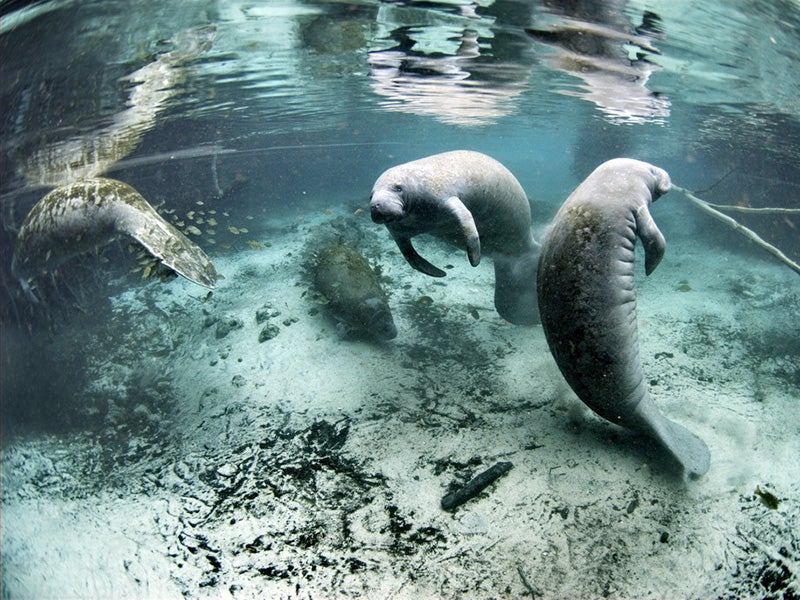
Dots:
{"x": 587, "y": 303}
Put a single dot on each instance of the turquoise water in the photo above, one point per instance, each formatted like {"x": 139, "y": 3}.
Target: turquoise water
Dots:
{"x": 325, "y": 96}
{"x": 259, "y": 124}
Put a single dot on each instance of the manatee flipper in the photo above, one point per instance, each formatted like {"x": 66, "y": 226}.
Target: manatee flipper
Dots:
{"x": 688, "y": 449}
{"x": 456, "y": 207}
{"x": 652, "y": 239}
{"x": 414, "y": 259}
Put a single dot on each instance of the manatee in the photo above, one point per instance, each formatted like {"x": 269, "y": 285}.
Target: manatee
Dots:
{"x": 587, "y": 300}
{"x": 89, "y": 214}
{"x": 353, "y": 291}
{"x": 473, "y": 202}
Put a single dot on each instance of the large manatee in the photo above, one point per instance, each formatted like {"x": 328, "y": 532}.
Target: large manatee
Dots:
{"x": 587, "y": 300}
{"x": 89, "y": 214}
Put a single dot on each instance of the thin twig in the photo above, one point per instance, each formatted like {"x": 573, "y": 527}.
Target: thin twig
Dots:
{"x": 214, "y": 177}
{"x": 731, "y": 222}
{"x": 716, "y": 183}
{"x": 525, "y": 583}
{"x": 750, "y": 209}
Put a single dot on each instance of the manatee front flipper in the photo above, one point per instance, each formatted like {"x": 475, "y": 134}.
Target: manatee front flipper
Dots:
{"x": 688, "y": 449}
{"x": 652, "y": 239}
{"x": 414, "y": 259}
{"x": 456, "y": 207}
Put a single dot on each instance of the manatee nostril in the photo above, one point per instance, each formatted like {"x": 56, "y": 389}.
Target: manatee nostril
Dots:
{"x": 384, "y": 212}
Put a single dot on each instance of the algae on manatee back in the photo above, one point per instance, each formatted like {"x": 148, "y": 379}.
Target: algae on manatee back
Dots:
{"x": 353, "y": 290}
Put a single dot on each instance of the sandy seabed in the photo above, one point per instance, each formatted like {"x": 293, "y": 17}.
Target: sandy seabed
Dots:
{"x": 308, "y": 465}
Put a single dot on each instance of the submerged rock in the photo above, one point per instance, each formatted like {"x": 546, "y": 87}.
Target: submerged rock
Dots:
{"x": 227, "y": 324}
{"x": 265, "y": 313}
{"x": 353, "y": 290}
{"x": 268, "y": 332}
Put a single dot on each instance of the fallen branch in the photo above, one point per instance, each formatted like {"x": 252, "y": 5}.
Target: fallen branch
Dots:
{"x": 525, "y": 583}
{"x": 748, "y": 233}
{"x": 750, "y": 209}
{"x": 475, "y": 485}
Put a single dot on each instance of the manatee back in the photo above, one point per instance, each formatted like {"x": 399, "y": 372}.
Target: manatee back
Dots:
{"x": 68, "y": 221}
{"x": 353, "y": 290}
{"x": 497, "y": 201}
{"x": 89, "y": 214}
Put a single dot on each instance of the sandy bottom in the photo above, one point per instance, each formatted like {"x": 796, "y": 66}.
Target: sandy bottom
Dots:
{"x": 308, "y": 465}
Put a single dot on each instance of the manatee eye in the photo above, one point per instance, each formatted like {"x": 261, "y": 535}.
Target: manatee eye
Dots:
{"x": 397, "y": 188}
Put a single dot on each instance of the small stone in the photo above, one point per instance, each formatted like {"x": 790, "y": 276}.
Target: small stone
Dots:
{"x": 269, "y": 332}
{"x": 227, "y": 324}
{"x": 140, "y": 411}
{"x": 266, "y": 312}
{"x": 227, "y": 470}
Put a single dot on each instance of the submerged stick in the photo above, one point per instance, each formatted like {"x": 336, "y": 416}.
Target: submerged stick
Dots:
{"x": 731, "y": 222}
{"x": 475, "y": 485}
{"x": 751, "y": 209}
{"x": 527, "y": 585}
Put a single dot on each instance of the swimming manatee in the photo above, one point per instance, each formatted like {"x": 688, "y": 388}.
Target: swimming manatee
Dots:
{"x": 587, "y": 300}
{"x": 470, "y": 201}
{"x": 89, "y": 214}
{"x": 353, "y": 291}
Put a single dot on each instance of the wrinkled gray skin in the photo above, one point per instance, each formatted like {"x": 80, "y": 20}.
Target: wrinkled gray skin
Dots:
{"x": 587, "y": 300}
{"x": 473, "y": 202}
{"x": 89, "y": 214}
{"x": 353, "y": 290}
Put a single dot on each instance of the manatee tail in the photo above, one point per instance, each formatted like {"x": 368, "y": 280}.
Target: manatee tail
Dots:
{"x": 175, "y": 250}
{"x": 515, "y": 297}
{"x": 682, "y": 444}
{"x": 138, "y": 219}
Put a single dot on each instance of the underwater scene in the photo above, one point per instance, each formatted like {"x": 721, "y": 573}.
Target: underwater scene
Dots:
{"x": 400, "y": 299}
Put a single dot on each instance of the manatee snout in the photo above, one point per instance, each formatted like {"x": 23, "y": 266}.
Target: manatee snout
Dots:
{"x": 385, "y": 206}
{"x": 378, "y": 216}
{"x": 382, "y": 326}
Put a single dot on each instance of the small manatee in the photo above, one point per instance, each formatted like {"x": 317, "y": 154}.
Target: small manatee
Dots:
{"x": 353, "y": 290}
